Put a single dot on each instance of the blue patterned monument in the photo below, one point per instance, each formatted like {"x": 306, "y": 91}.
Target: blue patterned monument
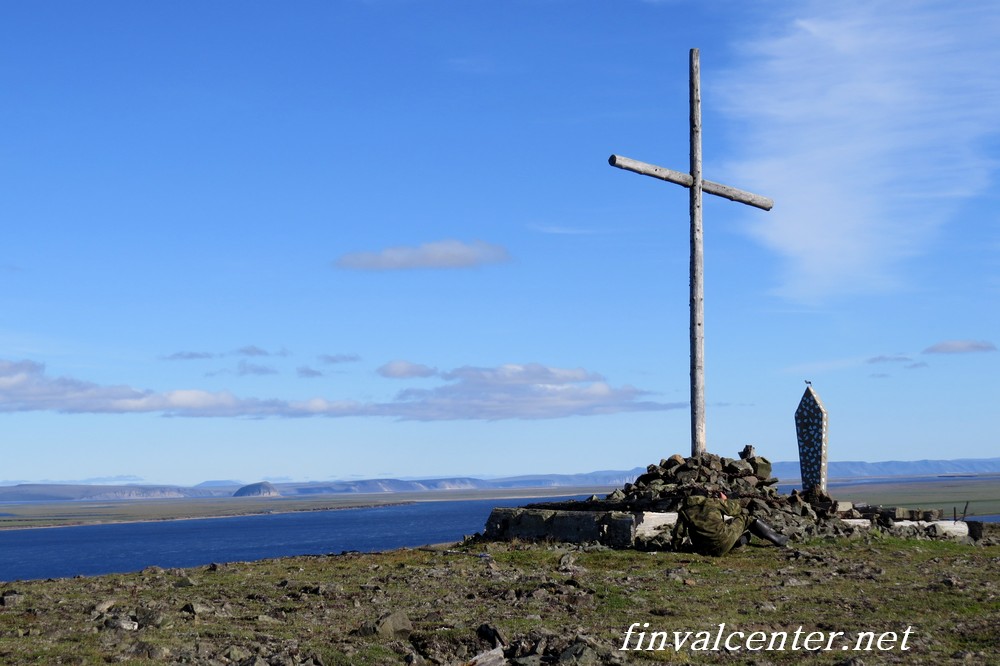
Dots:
{"x": 810, "y": 426}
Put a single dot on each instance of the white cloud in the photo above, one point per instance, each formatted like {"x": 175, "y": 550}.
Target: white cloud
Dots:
{"x": 960, "y": 347}
{"x": 439, "y": 254}
{"x": 531, "y": 391}
{"x": 866, "y": 123}
{"x": 531, "y": 373}
{"x": 405, "y": 370}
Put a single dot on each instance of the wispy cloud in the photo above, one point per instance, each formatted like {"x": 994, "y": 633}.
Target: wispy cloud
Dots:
{"x": 439, "y": 254}
{"x": 306, "y": 372}
{"x": 245, "y": 368}
{"x": 254, "y": 350}
{"x": 531, "y": 391}
{"x": 249, "y": 350}
{"x": 188, "y": 356}
{"x": 960, "y": 347}
{"x": 889, "y": 359}
{"x": 866, "y": 122}
{"x": 405, "y": 370}
{"x": 332, "y": 359}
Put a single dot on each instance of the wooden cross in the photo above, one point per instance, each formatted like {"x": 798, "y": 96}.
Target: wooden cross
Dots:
{"x": 696, "y": 185}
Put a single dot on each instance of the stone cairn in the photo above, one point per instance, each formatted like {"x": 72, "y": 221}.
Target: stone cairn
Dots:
{"x": 748, "y": 479}
{"x": 799, "y": 515}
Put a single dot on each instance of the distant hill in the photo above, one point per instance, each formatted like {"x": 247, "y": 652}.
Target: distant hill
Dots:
{"x": 48, "y": 492}
{"x": 262, "y": 489}
{"x": 788, "y": 472}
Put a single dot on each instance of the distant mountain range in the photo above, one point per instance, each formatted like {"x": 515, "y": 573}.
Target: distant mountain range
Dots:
{"x": 788, "y": 472}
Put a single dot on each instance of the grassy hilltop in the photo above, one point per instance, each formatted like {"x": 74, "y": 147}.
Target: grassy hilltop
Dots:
{"x": 541, "y": 604}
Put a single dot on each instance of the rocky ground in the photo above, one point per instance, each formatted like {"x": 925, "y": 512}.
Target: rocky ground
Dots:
{"x": 509, "y": 603}
{"x": 487, "y": 603}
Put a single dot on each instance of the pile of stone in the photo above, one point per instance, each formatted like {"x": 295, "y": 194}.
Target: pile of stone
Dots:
{"x": 621, "y": 518}
{"x": 640, "y": 514}
{"x": 748, "y": 479}
{"x": 663, "y": 487}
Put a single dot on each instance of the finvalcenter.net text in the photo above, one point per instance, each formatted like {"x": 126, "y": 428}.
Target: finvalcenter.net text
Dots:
{"x": 638, "y": 638}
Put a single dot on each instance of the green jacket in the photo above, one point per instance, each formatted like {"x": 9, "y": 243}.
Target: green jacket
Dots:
{"x": 703, "y": 521}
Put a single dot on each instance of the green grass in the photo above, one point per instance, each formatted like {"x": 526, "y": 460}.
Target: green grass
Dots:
{"x": 981, "y": 492}
{"x": 947, "y": 592}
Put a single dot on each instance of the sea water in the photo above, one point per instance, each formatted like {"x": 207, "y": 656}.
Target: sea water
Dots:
{"x": 91, "y": 550}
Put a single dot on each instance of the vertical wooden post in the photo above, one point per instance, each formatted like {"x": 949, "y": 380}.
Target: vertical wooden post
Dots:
{"x": 698, "y": 437}
{"x": 696, "y": 185}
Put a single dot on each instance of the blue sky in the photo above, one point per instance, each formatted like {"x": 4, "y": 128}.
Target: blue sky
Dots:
{"x": 251, "y": 240}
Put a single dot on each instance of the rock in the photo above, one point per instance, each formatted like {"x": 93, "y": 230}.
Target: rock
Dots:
{"x": 616, "y": 495}
{"x": 11, "y": 598}
{"x": 674, "y": 461}
{"x": 123, "y": 623}
{"x": 580, "y": 653}
{"x": 492, "y": 635}
{"x": 103, "y": 606}
{"x": 761, "y": 466}
{"x": 530, "y": 660}
{"x": 268, "y": 619}
{"x": 255, "y": 661}
{"x": 492, "y": 658}
{"x": 185, "y": 581}
{"x": 196, "y": 608}
{"x": 738, "y": 468}
{"x": 237, "y": 653}
{"x": 394, "y": 625}
{"x": 149, "y": 651}
{"x": 150, "y": 617}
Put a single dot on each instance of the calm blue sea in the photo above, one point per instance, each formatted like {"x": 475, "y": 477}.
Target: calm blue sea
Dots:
{"x": 118, "y": 548}
{"x": 92, "y": 550}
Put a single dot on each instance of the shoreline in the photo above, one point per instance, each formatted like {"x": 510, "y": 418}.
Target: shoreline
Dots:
{"x": 301, "y": 506}
{"x": 982, "y": 493}
{"x": 168, "y": 519}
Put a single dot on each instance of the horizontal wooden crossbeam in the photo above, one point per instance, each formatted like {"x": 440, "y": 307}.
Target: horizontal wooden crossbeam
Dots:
{"x": 685, "y": 179}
